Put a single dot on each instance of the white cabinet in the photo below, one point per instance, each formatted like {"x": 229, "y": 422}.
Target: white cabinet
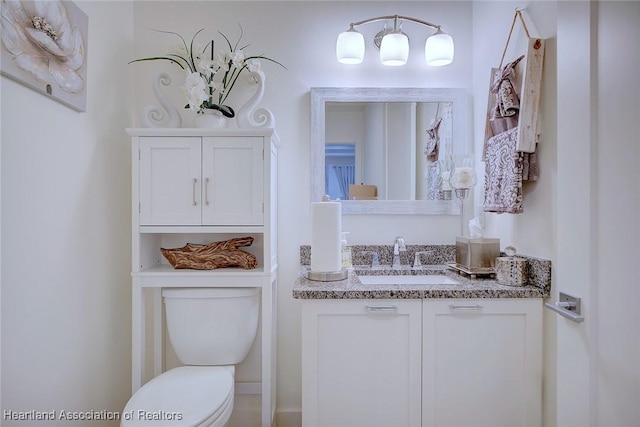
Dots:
{"x": 431, "y": 363}
{"x": 361, "y": 363}
{"x": 482, "y": 363}
{"x": 194, "y": 180}
{"x": 202, "y": 186}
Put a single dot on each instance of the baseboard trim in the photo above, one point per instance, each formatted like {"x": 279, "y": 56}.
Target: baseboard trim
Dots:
{"x": 288, "y": 419}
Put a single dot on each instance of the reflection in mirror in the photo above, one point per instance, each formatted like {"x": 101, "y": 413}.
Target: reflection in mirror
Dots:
{"x": 386, "y": 150}
{"x": 399, "y": 148}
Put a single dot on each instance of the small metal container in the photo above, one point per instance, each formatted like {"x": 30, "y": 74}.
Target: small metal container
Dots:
{"x": 477, "y": 254}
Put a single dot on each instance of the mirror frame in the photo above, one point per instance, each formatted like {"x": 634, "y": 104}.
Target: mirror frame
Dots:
{"x": 460, "y": 134}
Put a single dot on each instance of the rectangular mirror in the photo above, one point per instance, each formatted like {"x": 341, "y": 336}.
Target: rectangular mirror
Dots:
{"x": 385, "y": 150}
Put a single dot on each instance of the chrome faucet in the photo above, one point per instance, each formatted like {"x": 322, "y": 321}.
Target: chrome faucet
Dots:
{"x": 398, "y": 246}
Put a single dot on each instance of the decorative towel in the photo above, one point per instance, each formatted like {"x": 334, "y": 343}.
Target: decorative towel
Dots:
{"x": 506, "y": 111}
{"x": 503, "y": 174}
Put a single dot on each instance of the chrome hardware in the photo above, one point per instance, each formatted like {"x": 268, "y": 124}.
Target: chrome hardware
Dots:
{"x": 568, "y": 306}
{"x": 375, "y": 258}
{"x": 417, "y": 262}
{"x": 398, "y": 246}
{"x": 206, "y": 191}
{"x": 381, "y": 309}
{"x": 455, "y": 307}
{"x": 331, "y": 276}
{"x": 195, "y": 181}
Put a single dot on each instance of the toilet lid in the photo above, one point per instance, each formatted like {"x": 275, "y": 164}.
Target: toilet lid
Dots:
{"x": 184, "y": 396}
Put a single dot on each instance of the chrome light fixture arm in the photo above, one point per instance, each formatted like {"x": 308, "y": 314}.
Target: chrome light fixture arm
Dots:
{"x": 395, "y": 21}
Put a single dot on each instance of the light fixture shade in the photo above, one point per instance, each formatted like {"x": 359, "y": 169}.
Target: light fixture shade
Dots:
{"x": 394, "y": 49}
{"x": 350, "y": 47}
{"x": 438, "y": 50}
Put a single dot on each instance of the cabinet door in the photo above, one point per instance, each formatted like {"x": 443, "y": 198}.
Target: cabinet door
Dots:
{"x": 482, "y": 363}
{"x": 232, "y": 173}
{"x": 361, "y": 363}
{"x": 170, "y": 180}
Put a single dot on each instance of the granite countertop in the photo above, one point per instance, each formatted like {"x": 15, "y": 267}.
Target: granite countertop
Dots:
{"x": 538, "y": 279}
{"x": 352, "y": 288}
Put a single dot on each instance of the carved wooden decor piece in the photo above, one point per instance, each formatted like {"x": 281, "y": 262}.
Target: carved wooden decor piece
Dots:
{"x": 213, "y": 255}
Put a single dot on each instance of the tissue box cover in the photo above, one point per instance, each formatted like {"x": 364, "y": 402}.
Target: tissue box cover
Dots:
{"x": 477, "y": 254}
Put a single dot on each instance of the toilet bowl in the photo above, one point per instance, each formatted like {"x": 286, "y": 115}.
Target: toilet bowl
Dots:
{"x": 211, "y": 330}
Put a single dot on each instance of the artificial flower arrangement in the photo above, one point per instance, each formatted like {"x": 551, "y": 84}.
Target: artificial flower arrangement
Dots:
{"x": 210, "y": 77}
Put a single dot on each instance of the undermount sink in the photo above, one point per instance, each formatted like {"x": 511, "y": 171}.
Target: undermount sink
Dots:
{"x": 417, "y": 279}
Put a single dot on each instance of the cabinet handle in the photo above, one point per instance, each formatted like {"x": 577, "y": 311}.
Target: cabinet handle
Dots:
{"x": 476, "y": 307}
{"x": 381, "y": 309}
{"x": 206, "y": 191}
{"x": 195, "y": 181}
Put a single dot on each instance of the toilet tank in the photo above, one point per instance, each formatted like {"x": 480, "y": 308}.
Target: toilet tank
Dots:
{"x": 211, "y": 326}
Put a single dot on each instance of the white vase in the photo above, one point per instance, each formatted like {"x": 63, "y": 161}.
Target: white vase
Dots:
{"x": 210, "y": 119}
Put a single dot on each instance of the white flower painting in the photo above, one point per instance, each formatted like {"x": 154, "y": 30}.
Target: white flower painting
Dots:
{"x": 44, "y": 46}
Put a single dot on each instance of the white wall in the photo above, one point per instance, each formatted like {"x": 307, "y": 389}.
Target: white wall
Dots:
{"x": 618, "y": 204}
{"x": 66, "y": 322}
{"x": 302, "y": 36}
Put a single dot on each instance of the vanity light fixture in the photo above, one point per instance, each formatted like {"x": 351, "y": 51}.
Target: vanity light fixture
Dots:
{"x": 393, "y": 43}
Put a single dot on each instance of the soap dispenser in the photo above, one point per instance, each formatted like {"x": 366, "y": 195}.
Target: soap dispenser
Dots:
{"x": 345, "y": 250}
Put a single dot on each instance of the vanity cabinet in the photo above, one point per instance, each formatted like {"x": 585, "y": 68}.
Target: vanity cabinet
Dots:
{"x": 201, "y": 180}
{"x": 361, "y": 363}
{"x": 482, "y": 363}
{"x": 201, "y": 186}
{"x": 429, "y": 363}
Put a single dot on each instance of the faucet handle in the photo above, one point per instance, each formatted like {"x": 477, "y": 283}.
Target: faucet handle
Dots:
{"x": 375, "y": 258}
{"x": 417, "y": 262}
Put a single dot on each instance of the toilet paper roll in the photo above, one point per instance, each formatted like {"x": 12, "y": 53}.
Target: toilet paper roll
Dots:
{"x": 326, "y": 225}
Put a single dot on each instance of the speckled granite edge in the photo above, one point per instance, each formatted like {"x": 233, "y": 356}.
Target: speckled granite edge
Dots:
{"x": 353, "y": 288}
{"x": 538, "y": 277}
{"x": 362, "y": 254}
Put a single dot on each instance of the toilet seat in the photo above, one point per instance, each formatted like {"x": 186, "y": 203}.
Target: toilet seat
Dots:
{"x": 187, "y": 396}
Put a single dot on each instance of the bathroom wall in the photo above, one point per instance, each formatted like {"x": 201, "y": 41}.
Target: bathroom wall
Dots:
{"x": 66, "y": 322}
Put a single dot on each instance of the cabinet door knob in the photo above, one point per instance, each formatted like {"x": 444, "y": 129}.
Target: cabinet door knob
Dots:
{"x": 195, "y": 181}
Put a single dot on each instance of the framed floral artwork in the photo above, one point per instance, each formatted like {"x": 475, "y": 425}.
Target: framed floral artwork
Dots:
{"x": 44, "y": 47}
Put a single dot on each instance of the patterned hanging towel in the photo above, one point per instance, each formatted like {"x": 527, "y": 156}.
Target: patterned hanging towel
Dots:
{"x": 433, "y": 140}
{"x": 503, "y": 174}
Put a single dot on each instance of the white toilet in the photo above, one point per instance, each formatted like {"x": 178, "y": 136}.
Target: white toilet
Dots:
{"x": 211, "y": 330}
